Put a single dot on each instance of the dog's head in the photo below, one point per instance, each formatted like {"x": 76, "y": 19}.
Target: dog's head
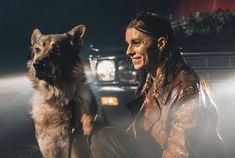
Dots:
{"x": 53, "y": 56}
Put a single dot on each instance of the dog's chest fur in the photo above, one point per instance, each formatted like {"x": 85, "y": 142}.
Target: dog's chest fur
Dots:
{"x": 51, "y": 106}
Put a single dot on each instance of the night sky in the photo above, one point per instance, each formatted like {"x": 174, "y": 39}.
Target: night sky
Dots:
{"x": 105, "y": 20}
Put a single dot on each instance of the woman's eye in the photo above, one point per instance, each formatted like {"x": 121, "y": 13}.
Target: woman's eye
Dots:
{"x": 136, "y": 42}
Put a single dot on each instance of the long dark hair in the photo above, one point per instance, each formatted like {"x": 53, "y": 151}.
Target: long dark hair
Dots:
{"x": 157, "y": 26}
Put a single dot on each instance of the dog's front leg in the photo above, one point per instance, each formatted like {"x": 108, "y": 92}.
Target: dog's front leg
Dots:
{"x": 86, "y": 121}
{"x": 53, "y": 142}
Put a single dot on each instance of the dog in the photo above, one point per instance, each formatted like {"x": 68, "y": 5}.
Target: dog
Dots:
{"x": 63, "y": 100}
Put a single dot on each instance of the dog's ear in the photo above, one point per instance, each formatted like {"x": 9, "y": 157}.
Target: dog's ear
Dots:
{"x": 77, "y": 31}
{"x": 35, "y": 36}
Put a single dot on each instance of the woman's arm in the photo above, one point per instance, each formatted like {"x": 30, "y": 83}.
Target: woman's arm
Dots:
{"x": 181, "y": 127}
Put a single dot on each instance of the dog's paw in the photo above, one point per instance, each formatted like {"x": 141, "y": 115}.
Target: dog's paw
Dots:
{"x": 86, "y": 124}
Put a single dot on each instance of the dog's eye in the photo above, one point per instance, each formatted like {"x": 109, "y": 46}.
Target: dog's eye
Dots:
{"x": 35, "y": 50}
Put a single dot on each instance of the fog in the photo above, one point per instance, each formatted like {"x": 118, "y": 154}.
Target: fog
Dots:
{"x": 224, "y": 93}
{"x": 16, "y": 126}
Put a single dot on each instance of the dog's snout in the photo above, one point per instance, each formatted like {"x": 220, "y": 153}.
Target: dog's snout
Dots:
{"x": 41, "y": 69}
{"x": 39, "y": 64}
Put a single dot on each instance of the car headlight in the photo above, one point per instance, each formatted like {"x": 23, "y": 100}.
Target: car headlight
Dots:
{"x": 105, "y": 70}
{"x": 126, "y": 72}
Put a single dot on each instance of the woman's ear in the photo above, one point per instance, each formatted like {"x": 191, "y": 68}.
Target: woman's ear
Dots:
{"x": 161, "y": 43}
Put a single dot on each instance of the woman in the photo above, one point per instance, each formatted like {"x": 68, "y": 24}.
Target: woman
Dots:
{"x": 177, "y": 117}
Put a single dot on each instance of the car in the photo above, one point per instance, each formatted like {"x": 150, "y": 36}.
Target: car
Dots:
{"x": 115, "y": 81}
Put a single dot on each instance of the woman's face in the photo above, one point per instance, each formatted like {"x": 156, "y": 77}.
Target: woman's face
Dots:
{"x": 142, "y": 49}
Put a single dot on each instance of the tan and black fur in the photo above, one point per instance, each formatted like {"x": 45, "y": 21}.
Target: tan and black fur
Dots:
{"x": 58, "y": 78}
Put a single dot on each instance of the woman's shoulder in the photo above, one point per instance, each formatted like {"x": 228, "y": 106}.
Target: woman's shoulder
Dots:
{"x": 186, "y": 82}
{"x": 190, "y": 86}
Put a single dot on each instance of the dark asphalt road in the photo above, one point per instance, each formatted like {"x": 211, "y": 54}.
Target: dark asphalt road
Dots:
{"x": 17, "y": 138}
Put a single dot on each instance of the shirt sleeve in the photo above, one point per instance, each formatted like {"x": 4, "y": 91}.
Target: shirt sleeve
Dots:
{"x": 182, "y": 124}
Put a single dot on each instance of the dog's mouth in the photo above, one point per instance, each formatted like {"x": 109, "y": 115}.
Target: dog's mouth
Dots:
{"x": 43, "y": 71}
{"x": 44, "y": 75}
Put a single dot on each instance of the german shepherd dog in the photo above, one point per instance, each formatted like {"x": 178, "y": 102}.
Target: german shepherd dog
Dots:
{"x": 62, "y": 101}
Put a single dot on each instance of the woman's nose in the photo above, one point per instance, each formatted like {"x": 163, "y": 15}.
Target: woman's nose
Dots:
{"x": 130, "y": 52}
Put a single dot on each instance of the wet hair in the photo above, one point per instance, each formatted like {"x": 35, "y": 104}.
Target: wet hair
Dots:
{"x": 158, "y": 26}
{"x": 154, "y": 25}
